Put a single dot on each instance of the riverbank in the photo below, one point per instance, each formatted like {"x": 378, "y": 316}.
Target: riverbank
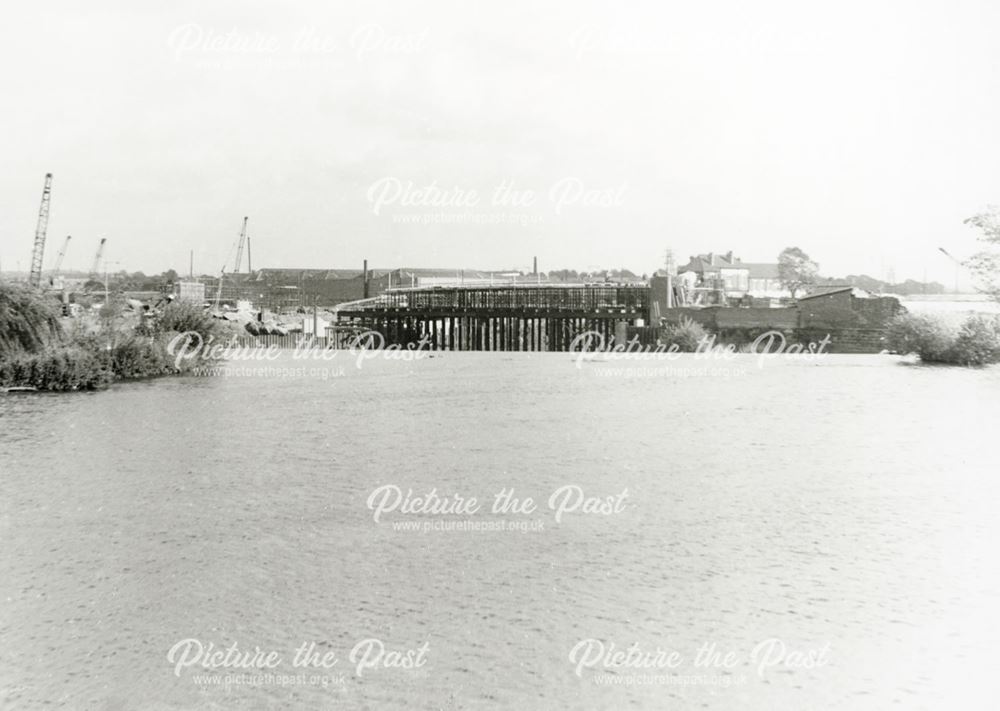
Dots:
{"x": 41, "y": 351}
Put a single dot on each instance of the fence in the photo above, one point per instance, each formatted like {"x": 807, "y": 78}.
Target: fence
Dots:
{"x": 291, "y": 340}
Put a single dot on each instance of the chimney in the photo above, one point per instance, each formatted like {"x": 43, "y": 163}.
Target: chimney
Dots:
{"x": 534, "y": 269}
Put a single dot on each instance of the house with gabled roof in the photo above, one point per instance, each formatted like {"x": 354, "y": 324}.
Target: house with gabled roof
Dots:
{"x": 734, "y": 276}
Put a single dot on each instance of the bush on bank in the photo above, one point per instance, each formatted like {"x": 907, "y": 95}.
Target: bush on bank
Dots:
{"x": 685, "y": 335}
{"x": 976, "y": 342}
{"x": 138, "y": 357}
{"x": 59, "y": 369}
{"x": 180, "y": 317}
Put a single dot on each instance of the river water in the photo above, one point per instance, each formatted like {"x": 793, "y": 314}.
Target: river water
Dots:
{"x": 830, "y": 526}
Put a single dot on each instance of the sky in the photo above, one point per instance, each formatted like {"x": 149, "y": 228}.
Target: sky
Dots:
{"x": 472, "y": 135}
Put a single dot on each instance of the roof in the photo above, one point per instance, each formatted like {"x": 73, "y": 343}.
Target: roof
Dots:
{"x": 442, "y": 273}
{"x": 834, "y": 289}
{"x": 712, "y": 262}
{"x": 270, "y": 273}
{"x": 708, "y": 262}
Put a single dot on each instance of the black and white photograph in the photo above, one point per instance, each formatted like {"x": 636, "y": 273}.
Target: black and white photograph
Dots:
{"x": 500, "y": 355}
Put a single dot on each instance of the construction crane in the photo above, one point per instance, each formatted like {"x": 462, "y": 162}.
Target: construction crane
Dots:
{"x": 35, "y": 277}
{"x": 59, "y": 257}
{"x": 94, "y": 274}
{"x": 239, "y": 249}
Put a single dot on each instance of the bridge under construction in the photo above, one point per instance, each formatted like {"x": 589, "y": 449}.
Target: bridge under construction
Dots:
{"x": 497, "y": 318}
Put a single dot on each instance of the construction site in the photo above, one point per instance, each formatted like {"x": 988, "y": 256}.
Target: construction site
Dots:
{"x": 463, "y": 309}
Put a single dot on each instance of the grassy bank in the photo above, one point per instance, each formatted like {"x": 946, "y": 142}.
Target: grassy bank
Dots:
{"x": 37, "y": 351}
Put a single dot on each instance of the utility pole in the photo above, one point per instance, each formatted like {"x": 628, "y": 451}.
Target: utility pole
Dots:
{"x": 958, "y": 264}
{"x": 670, "y": 266}
{"x": 35, "y": 277}
{"x": 218, "y": 291}
{"x": 94, "y": 269}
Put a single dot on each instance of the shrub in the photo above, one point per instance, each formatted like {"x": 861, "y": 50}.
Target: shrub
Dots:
{"x": 929, "y": 337}
{"x": 70, "y": 368}
{"x": 182, "y": 317}
{"x": 138, "y": 357}
{"x": 976, "y": 342}
{"x": 171, "y": 363}
{"x": 686, "y": 335}
{"x": 28, "y": 320}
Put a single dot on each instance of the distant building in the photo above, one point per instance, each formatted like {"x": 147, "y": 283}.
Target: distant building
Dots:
{"x": 763, "y": 280}
{"x": 734, "y": 276}
{"x": 280, "y": 289}
{"x": 193, "y": 291}
{"x": 415, "y": 277}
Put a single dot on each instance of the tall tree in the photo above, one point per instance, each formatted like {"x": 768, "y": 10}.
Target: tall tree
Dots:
{"x": 169, "y": 275}
{"x": 796, "y": 270}
{"x": 985, "y": 265}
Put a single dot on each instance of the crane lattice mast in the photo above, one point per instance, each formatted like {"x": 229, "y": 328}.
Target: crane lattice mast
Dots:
{"x": 239, "y": 249}
{"x": 35, "y": 277}
{"x": 59, "y": 257}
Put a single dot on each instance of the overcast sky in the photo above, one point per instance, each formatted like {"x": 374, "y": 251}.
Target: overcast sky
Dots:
{"x": 862, "y": 132}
